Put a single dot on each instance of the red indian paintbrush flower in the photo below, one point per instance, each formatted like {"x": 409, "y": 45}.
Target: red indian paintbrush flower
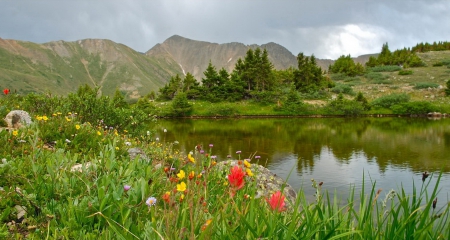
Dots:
{"x": 236, "y": 178}
{"x": 6, "y": 91}
{"x": 276, "y": 202}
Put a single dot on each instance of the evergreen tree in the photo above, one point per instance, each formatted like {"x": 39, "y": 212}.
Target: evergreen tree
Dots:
{"x": 308, "y": 77}
{"x": 118, "y": 100}
{"x": 447, "y": 90}
{"x": 346, "y": 65}
{"x": 211, "y": 77}
{"x": 180, "y": 105}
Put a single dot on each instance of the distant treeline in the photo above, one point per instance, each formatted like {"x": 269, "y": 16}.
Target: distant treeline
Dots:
{"x": 436, "y": 46}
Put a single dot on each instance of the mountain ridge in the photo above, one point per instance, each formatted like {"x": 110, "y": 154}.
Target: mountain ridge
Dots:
{"x": 62, "y": 66}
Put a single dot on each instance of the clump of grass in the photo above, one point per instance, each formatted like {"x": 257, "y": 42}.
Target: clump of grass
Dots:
{"x": 378, "y": 78}
{"x": 385, "y": 68}
{"x": 405, "y": 72}
{"x": 426, "y": 85}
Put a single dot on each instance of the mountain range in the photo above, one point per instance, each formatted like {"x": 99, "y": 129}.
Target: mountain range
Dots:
{"x": 60, "y": 67}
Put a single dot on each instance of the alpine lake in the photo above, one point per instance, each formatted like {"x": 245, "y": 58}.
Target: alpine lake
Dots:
{"x": 343, "y": 153}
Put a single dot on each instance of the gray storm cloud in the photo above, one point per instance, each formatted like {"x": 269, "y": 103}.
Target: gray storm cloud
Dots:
{"x": 327, "y": 29}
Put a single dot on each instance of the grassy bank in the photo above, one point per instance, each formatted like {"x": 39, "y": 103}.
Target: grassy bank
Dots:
{"x": 176, "y": 195}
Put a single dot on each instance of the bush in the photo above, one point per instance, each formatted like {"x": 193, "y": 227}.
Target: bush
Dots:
{"x": 418, "y": 107}
{"x": 377, "y": 78}
{"x": 293, "y": 104}
{"x": 390, "y": 100}
{"x": 405, "y": 72}
{"x": 344, "y": 89}
{"x": 385, "y": 68}
{"x": 180, "y": 105}
{"x": 342, "y": 106}
{"x": 426, "y": 85}
{"x": 223, "y": 110}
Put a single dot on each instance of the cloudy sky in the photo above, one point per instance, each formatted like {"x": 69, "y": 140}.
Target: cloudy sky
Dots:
{"x": 325, "y": 28}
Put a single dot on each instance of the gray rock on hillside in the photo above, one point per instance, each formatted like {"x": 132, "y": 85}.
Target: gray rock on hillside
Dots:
{"x": 17, "y": 119}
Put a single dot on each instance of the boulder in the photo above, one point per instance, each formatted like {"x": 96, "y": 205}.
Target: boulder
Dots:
{"x": 17, "y": 119}
{"x": 137, "y": 152}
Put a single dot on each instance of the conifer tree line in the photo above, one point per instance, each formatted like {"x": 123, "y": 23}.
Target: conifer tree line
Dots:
{"x": 254, "y": 77}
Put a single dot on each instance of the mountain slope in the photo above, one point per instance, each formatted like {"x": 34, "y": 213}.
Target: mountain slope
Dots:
{"x": 61, "y": 67}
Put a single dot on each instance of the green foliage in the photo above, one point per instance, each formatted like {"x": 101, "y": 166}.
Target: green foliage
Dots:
{"x": 346, "y": 65}
{"x": 404, "y": 57}
{"x": 223, "y": 109}
{"x": 390, "y": 100}
{"x": 342, "y": 106}
{"x": 180, "y": 105}
{"x": 435, "y": 46}
{"x": 385, "y": 68}
{"x": 377, "y": 78}
{"x": 405, "y": 72}
{"x": 343, "y": 88}
{"x": 292, "y": 105}
{"x": 447, "y": 90}
{"x": 309, "y": 77}
{"x": 426, "y": 85}
{"x": 416, "y": 107}
{"x": 363, "y": 100}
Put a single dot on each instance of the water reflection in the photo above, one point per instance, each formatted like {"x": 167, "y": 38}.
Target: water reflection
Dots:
{"x": 391, "y": 151}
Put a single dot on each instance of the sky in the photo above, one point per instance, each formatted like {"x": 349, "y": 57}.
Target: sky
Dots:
{"x": 326, "y": 28}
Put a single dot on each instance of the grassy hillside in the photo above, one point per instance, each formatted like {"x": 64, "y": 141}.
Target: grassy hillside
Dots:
{"x": 61, "y": 67}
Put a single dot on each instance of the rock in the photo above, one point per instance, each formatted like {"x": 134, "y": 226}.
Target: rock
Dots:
{"x": 135, "y": 152}
{"x": 79, "y": 167}
{"x": 267, "y": 182}
{"x": 17, "y": 118}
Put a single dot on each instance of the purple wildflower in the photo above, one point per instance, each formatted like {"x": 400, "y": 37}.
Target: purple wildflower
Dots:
{"x": 126, "y": 188}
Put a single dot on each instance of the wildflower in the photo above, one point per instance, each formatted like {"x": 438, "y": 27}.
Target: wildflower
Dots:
{"x": 276, "y": 202}
{"x": 213, "y": 163}
{"x": 150, "y": 201}
{"x": 148, "y": 133}
{"x": 39, "y": 118}
{"x": 77, "y": 127}
{"x": 157, "y": 139}
{"x": 191, "y": 175}
{"x": 68, "y": 119}
{"x": 99, "y": 133}
{"x": 181, "y": 197}
{"x": 228, "y": 156}
{"x": 128, "y": 143}
{"x": 191, "y": 159}
{"x": 257, "y": 157}
{"x": 166, "y": 197}
{"x": 117, "y": 148}
{"x": 249, "y": 172}
{"x": 15, "y": 132}
{"x": 6, "y": 91}
{"x": 204, "y": 226}
{"x": 181, "y": 174}
{"x": 126, "y": 188}
{"x": 211, "y": 145}
{"x": 201, "y": 151}
{"x": 247, "y": 164}
{"x": 199, "y": 175}
{"x": 68, "y": 141}
{"x": 59, "y": 113}
{"x": 165, "y": 130}
{"x": 54, "y": 114}
{"x": 181, "y": 187}
{"x": 213, "y": 157}
{"x": 236, "y": 178}
{"x": 45, "y": 118}
{"x": 238, "y": 152}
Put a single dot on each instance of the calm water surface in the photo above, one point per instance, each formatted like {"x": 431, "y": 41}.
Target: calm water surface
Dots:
{"x": 338, "y": 151}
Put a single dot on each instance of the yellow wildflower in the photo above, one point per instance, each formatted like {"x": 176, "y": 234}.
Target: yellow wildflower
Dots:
{"x": 68, "y": 119}
{"x": 191, "y": 159}
{"x": 77, "y": 126}
{"x": 45, "y": 118}
{"x": 247, "y": 164}
{"x": 181, "y": 174}
{"x": 99, "y": 133}
{"x": 59, "y": 113}
{"x": 181, "y": 187}
{"x": 181, "y": 197}
{"x": 117, "y": 148}
{"x": 249, "y": 172}
{"x": 39, "y": 118}
{"x": 54, "y": 114}
{"x": 15, "y": 132}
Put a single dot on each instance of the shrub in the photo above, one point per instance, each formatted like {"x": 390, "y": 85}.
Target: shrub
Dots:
{"x": 342, "y": 106}
{"x": 447, "y": 90}
{"x": 180, "y": 105}
{"x": 385, "y": 68}
{"x": 377, "y": 78}
{"x": 223, "y": 110}
{"x": 405, "y": 72}
{"x": 418, "y": 107}
{"x": 293, "y": 104}
{"x": 344, "y": 89}
{"x": 390, "y": 100}
{"x": 426, "y": 85}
